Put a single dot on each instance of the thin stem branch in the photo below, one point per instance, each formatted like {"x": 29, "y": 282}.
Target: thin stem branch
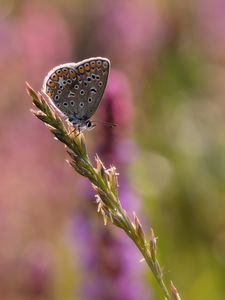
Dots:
{"x": 105, "y": 183}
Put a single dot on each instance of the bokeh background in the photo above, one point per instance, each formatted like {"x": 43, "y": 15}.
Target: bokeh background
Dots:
{"x": 166, "y": 91}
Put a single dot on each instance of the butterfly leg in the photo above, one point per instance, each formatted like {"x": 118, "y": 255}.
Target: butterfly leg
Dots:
{"x": 78, "y": 128}
{"x": 71, "y": 131}
{"x": 79, "y": 131}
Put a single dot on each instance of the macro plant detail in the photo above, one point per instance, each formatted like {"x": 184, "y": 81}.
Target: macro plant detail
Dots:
{"x": 105, "y": 183}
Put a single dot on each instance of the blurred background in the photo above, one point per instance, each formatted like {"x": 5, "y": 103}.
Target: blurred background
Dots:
{"x": 166, "y": 92}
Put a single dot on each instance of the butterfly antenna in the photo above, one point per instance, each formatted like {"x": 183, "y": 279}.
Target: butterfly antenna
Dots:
{"x": 106, "y": 124}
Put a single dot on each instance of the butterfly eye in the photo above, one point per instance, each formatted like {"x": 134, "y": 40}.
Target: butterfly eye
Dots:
{"x": 76, "y": 87}
{"x": 59, "y": 92}
{"x": 64, "y": 82}
{"x": 82, "y": 92}
{"x": 88, "y": 124}
{"x": 56, "y": 97}
{"x": 65, "y": 103}
{"x": 100, "y": 83}
{"x": 81, "y": 104}
{"x": 93, "y": 76}
{"x": 97, "y": 77}
{"x": 72, "y": 103}
{"x": 69, "y": 81}
{"x": 90, "y": 100}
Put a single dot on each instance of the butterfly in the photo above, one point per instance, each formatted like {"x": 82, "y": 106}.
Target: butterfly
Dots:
{"x": 76, "y": 89}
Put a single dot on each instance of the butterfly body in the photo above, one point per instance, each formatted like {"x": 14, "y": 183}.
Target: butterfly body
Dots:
{"x": 76, "y": 89}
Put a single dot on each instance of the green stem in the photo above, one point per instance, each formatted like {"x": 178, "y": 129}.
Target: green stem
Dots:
{"x": 146, "y": 254}
{"x": 105, "y": 188}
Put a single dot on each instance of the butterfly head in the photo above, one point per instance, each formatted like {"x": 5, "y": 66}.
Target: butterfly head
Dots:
{"x": 81, "y": 125}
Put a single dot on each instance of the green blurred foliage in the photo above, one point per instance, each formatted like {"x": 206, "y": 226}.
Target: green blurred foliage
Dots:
{"x": 182, "y": 165}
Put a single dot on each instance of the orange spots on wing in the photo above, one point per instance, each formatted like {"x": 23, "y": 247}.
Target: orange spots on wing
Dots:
{"x": 81, "y": 69}
{"x": 59, "y": 72}
{"x": 92, "y": 63}
{"x": 51, "y": 83}
{"x": 87, "y": 67}
{"x": 65, "y": 71}
{"x": 54, "y": 77}
{"x": 72, "y": 74}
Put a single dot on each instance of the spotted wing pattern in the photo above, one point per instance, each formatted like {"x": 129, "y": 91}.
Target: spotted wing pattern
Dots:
{"x": 77, "y": 88}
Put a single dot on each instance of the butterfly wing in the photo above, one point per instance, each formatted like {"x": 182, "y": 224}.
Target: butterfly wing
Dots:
{"x": 92, "y": 85}
{"x": 77, "y": 88}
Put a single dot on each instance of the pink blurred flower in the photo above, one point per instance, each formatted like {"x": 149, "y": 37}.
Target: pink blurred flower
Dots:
{"x": 210, "y": 21}
{"x": 45, "y": 38}
{"x": 132, "y": 32}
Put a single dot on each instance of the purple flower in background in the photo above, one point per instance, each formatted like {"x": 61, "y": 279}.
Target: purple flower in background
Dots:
{"x": 33, "y": 181}
{"x": 45, "y": 38}
{"x": 133, "y": 34}
{"x": 39, "y": 270}
{"x": 210, "y": 21}
{"x": 112, "y": 268}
